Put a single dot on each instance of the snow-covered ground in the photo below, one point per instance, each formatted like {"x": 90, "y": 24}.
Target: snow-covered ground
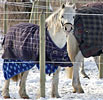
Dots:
{"x": 93, "y": 87}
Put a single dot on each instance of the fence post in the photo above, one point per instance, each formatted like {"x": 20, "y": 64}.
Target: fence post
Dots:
{"x": 5, "y": 18}
{"x": 32, "y": 13}
{"x": 47, "y": 8}
{"x": 42, "y": 55}
{"x": 37, "y": 10}
{"x": 101, "y": 66}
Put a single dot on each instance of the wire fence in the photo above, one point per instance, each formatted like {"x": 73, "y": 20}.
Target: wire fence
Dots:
{"x": 27, "y": 4}
{"x": 22, "y": 20}
{"x": 12, "y": 12}
{"x": 38, "y": 7}
{"x": 50, "y": 1}
{"x": 49, "y": 62}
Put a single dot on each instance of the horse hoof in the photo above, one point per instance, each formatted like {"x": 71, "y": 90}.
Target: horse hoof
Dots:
{"x": 25, "y": 97}
{"x": 6, "y": 97}
{"x": 74, "y": 91}
{"x": 80, "y": 91}
{"x": 56, "y": 96}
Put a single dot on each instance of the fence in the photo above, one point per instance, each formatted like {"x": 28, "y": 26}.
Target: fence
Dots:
{"x": 34, "y": 18}
{"x": 36, "y": 11}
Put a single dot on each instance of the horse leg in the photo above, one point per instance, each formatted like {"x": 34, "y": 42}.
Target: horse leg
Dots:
{"x": 73, "y": 51}
{"x": 83, "y": 71}
{"x": 97, "y": 61}
{"x": 55, "y": 82}
{"x": 76, "y": 81}
{"x": 22, "y": 90}
{"x": 5, "y": 91}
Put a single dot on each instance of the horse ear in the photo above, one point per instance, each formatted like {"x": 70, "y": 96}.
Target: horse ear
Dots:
{"x": 63, "y": 6}
{"x": 68, "y": 3}
{"x": 74, "y": 6}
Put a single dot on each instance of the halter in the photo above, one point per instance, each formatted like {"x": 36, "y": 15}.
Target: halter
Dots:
{"x": 67, "y": 32}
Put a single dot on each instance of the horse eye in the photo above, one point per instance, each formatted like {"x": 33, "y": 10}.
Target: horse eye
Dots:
{"x": 73, "y": 17}
{"x": 62, "y": 17}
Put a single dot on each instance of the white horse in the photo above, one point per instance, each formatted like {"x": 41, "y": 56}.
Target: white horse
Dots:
{"x": 76, "y": 57}
{"x": 55, "y": 23}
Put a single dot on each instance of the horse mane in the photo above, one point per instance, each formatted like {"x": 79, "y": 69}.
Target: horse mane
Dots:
{"x": 54, "y": 20}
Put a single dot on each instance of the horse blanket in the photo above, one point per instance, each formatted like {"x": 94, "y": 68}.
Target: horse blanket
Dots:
{"x": 88, "y": 29}
{"x": 21, "y": 45}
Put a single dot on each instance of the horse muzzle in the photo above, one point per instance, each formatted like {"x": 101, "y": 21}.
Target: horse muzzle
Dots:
{"x": 68, "y": 27}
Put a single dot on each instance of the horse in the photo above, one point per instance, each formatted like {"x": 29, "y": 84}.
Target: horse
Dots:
{"x": 55, "y": 25}
{"x": 85, "y": 40}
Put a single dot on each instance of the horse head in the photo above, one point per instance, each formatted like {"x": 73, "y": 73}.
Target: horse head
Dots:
{"x": 66, "y": 17}
{"x": 60, "y": 21}
{"x": 62, "y": 18}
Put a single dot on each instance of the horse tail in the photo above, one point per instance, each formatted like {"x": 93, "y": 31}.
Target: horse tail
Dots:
{"x": 16, "y": 77}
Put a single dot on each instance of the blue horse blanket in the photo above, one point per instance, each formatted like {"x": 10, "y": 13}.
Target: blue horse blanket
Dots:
{"x": 21, "y": 51}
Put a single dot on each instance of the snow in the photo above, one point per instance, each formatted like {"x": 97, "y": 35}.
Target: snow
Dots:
{"x": 93, "y": 87}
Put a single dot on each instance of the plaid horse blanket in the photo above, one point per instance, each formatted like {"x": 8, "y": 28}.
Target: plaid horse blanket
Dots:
{"x": 21, "y": 45}
{"x": 88, "y": 29}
